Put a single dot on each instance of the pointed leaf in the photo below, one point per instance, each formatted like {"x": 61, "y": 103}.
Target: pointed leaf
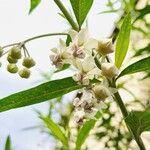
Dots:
{"x": 38, "y": 94}
{"x": 84, "y": 131}
{"x": 143, "y": 50}
{"x": 143, "y": 12}
{"x": 55, "y": 130}
{"x": 8, "y": 144}
{"x": 141, "y": 65}
{"x": 139, "y": 121}
{"x": 81, "y": 9}
{"x": 123, "y": 41}
{"x": 33, "y": 4}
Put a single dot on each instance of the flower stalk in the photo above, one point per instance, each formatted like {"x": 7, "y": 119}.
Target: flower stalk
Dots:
{"x": 31, "y": 39}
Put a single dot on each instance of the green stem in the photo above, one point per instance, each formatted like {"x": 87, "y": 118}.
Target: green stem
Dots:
{"x": 44, "y": 35}
{"x": 125, "y": 114}
{"x": 10, "y": 45}
{"x": 67, "y": 15}
{"x": 21, "y": 44}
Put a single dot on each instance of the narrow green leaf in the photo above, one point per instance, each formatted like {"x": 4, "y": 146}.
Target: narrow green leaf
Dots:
{"x": 33, "y": 4}
{"x": 8, "y": 144}
{"x": 38, "y": 94}
{"x": 141, "y": 65}
{"x": 143, "y": 12}
{"x": 55, "y": 130}
{"x": 143, "y": 50}
{"x": 109, "y": 11}
{"x": 139, "y": 121}
{"x": 123, "y": 41}
{"x": 84, "y": 131}
{"x": 81, "y": 9}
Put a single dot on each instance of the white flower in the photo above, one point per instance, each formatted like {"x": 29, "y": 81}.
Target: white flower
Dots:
{"x": 82, "y": 44}
{"x": 88, "y": 96}
{"x": 101, "y": 92}
{"x": 109, "y": 70}
{"x": 105, "y": 47}
{"x": 86, "y": 100}
{"x": 79, "y": 116}
{"x": 60, "y": 55}
{"x": 87, "y": 70}
{"x": 91, "y": 114}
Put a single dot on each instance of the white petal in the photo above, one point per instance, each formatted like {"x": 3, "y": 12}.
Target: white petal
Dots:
{"x": 88, "y": 64}
{"x": 78, "y": 64}
{"x": 73, "y": 34}
{"x": 62, "y": 44}
{"x": 83, "y": 36}
{"x": 95, "y": 71}
{"x": 55, "y": 50}
{"x": 91, "y": 44}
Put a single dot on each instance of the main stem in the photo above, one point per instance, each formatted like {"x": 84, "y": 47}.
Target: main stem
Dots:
{"x": 67, "y": 15}
{"x": 125, "y": 114}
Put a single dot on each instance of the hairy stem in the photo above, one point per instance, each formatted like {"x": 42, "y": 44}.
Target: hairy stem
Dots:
{"x": 67, "y": 15}
{"x": 125, "y": 114}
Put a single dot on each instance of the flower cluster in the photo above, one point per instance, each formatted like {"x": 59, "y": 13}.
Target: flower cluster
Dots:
{"x": 87, "y": 56}
{"x": 14, "y": 54}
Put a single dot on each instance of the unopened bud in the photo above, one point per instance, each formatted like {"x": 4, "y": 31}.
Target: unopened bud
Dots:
{"x": 12, "y": 68}
{"x": 28, "y": 62}
{"x": 11, "y": 60}
{"x": 1, "y": 51}
{"x": 105, "y": 47}
{"x": 15, "y": 52}
{"x": 24, "y": 73}
{"x": 101, "y": 92}
{"x": 109, "y": 70}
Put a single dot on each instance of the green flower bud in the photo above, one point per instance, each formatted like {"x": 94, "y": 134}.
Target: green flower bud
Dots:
{"x": 12, "y": 68}
{"x": 24, "y": 73}
{"x": 28, "y": 62}
{"x": 11, "y": 60}
{"x": 15, "y": 52}
{"x": 1, "y": 51}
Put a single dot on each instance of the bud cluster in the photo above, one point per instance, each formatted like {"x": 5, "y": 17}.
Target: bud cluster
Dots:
{"x": 13, "y": 56}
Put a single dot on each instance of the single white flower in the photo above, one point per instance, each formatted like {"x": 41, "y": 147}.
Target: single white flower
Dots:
{"x": 82, "y": 44}
{"x": 87, "y": 70}
{"x": 60, "y": 55}
{"x": 109, "y": 70}
{"x": 101, "y": 92}
{"x": 79, "y": 116}
{"x": 105, "y": 47}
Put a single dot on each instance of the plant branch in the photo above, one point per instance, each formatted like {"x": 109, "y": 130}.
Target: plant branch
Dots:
{"x": 33, "y": 38}
{"x": 125, "y": 114}
{"x": 67, "y": 15}
{"x": 41, "y": 36}
{"x": 21, "y": 44}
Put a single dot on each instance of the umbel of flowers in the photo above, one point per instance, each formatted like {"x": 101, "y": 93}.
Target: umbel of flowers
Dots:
{"x": 88, "y": 58}
{"x": 13, "y": 55}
